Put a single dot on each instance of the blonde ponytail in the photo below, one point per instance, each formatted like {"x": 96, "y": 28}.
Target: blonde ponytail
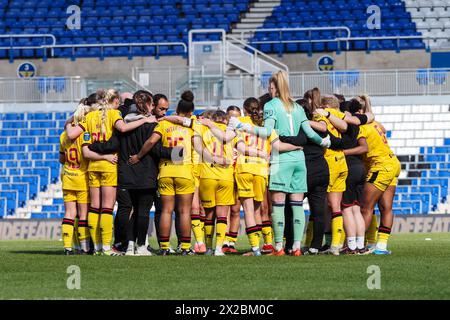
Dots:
{"x": 367, "y": 103}
{"x": 81, "y": 111}
{"x": 280, "y": 81}
{"x": 104, "y": 106}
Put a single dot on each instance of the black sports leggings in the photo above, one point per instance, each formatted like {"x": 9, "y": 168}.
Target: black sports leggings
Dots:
{"x": 142, "y": 200}
{"x": 122, "y": 216}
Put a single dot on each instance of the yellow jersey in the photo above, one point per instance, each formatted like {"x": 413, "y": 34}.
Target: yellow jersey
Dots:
{"x": 173, "y": 135}
{"x": 93, "y": 134}
{"x": 379, "y": 152}
{"x": 195, "y": 126}
{"x": 217, "y": 148}
{"x": 329, "y": 153}
{"x": 74, "y": 172}
{"x": 254, "y": 165}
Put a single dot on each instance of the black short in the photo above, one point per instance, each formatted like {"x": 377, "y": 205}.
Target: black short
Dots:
{"x": 354, "y": 185}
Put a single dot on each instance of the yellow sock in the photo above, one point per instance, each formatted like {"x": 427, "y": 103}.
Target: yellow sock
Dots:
{"x": 221, "y": 230}
{"x": 343, "y": 238}
{"x": 197, "y": 229}
{"x": 383, "y": 236}
{"x": 209, "y": 230}
{"x": 76, "y": 241}
{"x": 309, "y": 233}
{"x": 371, "y": 233}
{"x": 259, "y": 232}
{"x": 164, "y": 243}
{"x": 267, "y": 232}
{"x": 185, "y": 243}
{"x": 231, "y": 238}
{"x": 67, "y": 233}
{"x": 253, "y": 236}
{"x": 106, "y": 227}
{"x": 337, "y": 228}
{"x": 94, "y": 228}
{"x": 83, "y": 235}
{"x": 202, "y": 223}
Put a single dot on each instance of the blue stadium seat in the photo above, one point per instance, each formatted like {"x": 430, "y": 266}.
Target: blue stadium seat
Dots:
{"x": 116, "y": 22}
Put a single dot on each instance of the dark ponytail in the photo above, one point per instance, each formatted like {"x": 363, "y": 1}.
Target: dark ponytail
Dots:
{"x": 142, "y": 99}
{"x": 252, "y": 107}
{"x": 186, "y": 104}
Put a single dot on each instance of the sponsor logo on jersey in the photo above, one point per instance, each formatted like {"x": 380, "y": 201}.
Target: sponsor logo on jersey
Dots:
{"x": 268, "y": 113}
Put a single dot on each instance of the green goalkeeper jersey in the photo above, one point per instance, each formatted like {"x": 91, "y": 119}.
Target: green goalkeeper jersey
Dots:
{"x": 286, "y": 124}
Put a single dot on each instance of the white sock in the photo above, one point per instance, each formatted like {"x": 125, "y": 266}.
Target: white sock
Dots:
{"x": 200, "y": 243}
{"x": 360, "y": 242}
{"x": 255, "y": 249}
{"x": 84, "y": 245}
{"x": 278, "y": 246}
{"x": 106, "y": 248}
{"x": 351, "y": 242}
{"x": 381, "y": 245}
{"x": 130, "y": 245}
{"x": 98, "y": 247}
{"x": 226, "y": 243}
{"x": 231, "y": 244}
{"x": 218, "y": 248}
{"x": 296, "y": 245}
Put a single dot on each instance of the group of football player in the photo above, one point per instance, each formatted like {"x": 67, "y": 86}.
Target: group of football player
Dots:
{"x": 265, "y": 157}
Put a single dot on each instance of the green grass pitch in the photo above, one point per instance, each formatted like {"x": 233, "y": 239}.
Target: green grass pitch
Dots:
{"x": 417, "y": 269}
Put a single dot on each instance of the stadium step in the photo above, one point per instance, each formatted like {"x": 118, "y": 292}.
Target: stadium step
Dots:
{"x": 255, "y": 17}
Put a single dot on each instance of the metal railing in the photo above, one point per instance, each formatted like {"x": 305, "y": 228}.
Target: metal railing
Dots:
{"x": 52, "y": 46}
{"x": 58, "y": 89}
{"x": 209, "y": 91}
{"x": 258, "y": 55}
{"x": 375, "y": 83}
{"x": 42, "y": 90}
{"x": 420, "y": 82}
{"x": 13, "y": 47}
{"x": 347, "y": 39}
{"x": 280, "y": 31}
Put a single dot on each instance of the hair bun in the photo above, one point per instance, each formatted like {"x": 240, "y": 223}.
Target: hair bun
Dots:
{"x": 187, "y": 96}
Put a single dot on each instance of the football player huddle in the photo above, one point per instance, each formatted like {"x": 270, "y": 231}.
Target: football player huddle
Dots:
{"x": 265, "y": 158}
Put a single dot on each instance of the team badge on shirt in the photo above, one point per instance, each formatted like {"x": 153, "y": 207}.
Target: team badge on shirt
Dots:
{"x": 87, "y": 137}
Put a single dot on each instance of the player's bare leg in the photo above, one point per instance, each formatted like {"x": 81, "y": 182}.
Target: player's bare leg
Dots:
{"x": 165, "y": 223}
{"x": 234, "y": 223}
{"x": 184, "y": 208}
{"x": 350, "y": 228}
{"x": 387, "y": 220}
{"x": 371, "y": 196}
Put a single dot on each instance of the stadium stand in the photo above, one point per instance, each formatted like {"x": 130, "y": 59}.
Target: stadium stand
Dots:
{"x": 432, "y": 19}
{"x": 396, "y": 21}
{"x": 140, "y": 21}
{"x": 29, "y": 170}
{"x": 114, "y": 21}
